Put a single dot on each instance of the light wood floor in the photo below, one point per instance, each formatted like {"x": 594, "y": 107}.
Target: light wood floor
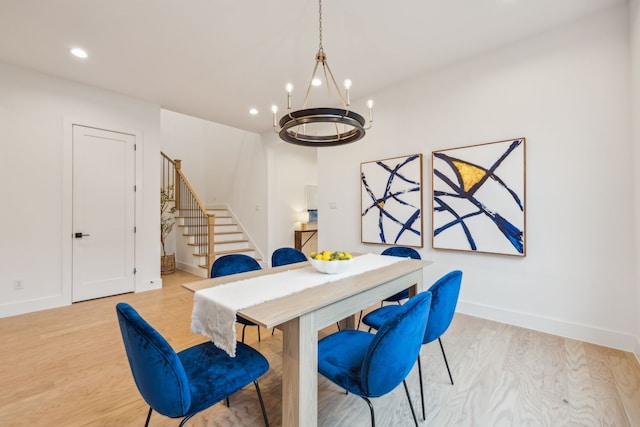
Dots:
{"x": 67, "y": 367}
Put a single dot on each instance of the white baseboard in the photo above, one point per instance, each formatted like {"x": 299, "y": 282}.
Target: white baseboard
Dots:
{"x": 23, "y": 307}
{"x": 604, "y": 337}
{"x": 198, "y": 271}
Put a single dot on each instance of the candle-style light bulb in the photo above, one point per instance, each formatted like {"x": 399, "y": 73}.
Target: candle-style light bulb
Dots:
{"x": 347, "y": 86}
{"x": 370, "y": 105}
{"x": 274, "y": 110}
{"x": 289, "y": 89}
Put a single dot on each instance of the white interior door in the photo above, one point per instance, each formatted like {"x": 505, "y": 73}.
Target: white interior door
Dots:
{"x": 103, "y": 213}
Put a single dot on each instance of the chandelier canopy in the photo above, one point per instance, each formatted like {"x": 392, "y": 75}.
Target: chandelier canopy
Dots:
{"x": 322, "y": 126}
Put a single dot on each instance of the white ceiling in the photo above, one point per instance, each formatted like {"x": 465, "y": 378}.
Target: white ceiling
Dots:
{"x": 215, "y": 59}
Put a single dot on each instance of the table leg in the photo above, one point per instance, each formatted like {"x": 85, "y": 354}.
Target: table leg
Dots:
{"x": 300, "y": 372}
{"x": 347, "y": 323}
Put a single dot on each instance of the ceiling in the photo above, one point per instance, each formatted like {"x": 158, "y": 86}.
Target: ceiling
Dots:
{"x": 215, "y": 59}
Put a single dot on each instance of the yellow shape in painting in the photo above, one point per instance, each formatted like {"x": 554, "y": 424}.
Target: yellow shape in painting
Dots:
{"x": 381, "y": 203}
{"x": 469, "y": 174}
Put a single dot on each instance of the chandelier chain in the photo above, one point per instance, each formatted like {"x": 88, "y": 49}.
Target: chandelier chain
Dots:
{"x": 320, "y": 23}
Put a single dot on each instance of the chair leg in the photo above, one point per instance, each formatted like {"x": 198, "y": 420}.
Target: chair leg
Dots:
{"x": 373, "y": 416}
{"x": 359, "y": 320}
{"x": 146, "y": 424}
{"x": 243, "y": 328}
{"x": 406, "y": 390}
{"x": 185, "y": 419}
{"x": 264, "y": 411}
{"x": 258, "y": 326}
{"x": 228, "y": 404}
{"x": 445, "y": 360}
{"x": 424, "y": 417}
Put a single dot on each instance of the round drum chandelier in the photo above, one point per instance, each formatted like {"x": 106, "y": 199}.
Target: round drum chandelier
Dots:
{"x": 322, "y": 126}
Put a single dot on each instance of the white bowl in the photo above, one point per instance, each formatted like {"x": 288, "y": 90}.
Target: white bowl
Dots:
{"x": 331, "y": 267}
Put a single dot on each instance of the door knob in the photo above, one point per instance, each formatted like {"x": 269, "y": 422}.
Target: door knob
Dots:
{"x": 81, "y": 235}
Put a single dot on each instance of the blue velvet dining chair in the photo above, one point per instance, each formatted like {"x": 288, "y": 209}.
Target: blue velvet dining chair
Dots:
{"x": 399, "y": 251}
{"x": 404, "y": 252}
{"x": 372, "y": 365}
{"x": 179, "y": 385}
{"x": 286, "y": 256}
{"x": 445, "y": 293}
{"x": 234, "y": 264}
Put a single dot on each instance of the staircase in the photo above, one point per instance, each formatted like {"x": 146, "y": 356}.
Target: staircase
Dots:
{"x": 228, "y": 236}
{"x": 206, "y": 233}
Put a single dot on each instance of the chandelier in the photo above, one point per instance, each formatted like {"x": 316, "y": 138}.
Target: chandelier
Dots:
{"x": 322, "y": 126}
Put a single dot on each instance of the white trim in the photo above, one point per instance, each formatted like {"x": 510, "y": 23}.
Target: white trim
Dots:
{"x": 32, "y": 305}
{"x": 67, "y": 199}
{"x": 198, "y": 271}
{"x": 586, "y": 333}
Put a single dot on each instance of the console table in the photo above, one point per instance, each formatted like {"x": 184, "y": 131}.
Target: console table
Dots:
{"x": 308, "y": 238}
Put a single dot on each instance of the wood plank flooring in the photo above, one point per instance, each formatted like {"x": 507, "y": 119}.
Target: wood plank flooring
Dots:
{"x": 67, "y": 367}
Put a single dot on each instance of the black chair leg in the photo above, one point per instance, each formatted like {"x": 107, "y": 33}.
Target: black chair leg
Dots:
{"x": 359, "y": 320}
{"x": 184, "y": 420}
{"x": 445, "y": 360}
{"x": 146, "y": 424}
{"x": 406, "y": 390}
{"x": 264, "y": 411}
{"x": 373, "y": 416}
{"x": 258, "y": 326}
{"x": 228, "y": 404}
{"x": 424, "y": 417}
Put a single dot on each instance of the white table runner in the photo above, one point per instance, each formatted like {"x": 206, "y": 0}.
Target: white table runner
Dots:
{"x": 215, "y": 308}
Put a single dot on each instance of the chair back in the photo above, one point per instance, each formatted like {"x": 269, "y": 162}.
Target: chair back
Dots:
{"x": 285, "y": 256}
{"x": 156, "y": 368}
{"x": 445, "y": 293}
{"x": 233, "y": 264}
{"x": 402, "y": 251}
{"x": 395, "y": 347}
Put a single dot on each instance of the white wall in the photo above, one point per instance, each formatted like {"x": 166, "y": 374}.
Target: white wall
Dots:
{"x": 290, "y": 168}
{"x": 567, "y": 92}
{"x": 34, "y": 110}
{"x": 224, "y": 165}
{"x": 261, "y": 178}
{"x": 635, "y": 115}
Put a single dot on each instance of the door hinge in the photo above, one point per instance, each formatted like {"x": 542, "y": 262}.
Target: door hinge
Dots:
{"x": 135, "y": 229}
{"x": 135, "y": 188}
{"x": 135, "y": 147}
{"x": 135, "y": 270}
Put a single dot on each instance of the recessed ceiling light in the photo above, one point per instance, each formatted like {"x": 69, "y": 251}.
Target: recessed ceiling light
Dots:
{"x": 79, "y": 52}
{"x": 253, "y": 111}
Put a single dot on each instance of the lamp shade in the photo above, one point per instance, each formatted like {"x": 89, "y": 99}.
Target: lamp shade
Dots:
{"x": 303, "y": 217}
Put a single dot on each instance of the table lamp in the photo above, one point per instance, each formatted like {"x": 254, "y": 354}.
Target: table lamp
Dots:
{"x": 303, "y": 218}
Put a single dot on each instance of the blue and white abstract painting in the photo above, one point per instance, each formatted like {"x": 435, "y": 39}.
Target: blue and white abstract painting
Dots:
{"x": 391, "y": 201}
{"x": 479, "y": 198}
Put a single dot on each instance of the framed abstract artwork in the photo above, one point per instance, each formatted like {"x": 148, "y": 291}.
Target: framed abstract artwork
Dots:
{"x": 391, "y": 201}
{"x": 479, "y": 198}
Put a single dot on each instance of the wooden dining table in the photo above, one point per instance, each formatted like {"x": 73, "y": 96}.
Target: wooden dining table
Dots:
{"x": 302, "y": 314}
